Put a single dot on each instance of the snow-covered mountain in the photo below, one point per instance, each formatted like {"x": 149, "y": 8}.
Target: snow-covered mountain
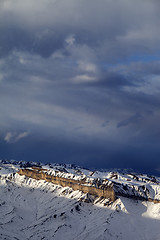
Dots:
{"x": 37, "y": 209}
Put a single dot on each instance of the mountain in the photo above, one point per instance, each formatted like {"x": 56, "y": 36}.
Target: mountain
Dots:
{"x": 38, "y": 209}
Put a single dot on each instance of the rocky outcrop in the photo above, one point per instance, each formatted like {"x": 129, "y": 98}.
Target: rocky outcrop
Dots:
{"x": 97, "y": 187}
{"x": 135, "y": 192}
{"x": 81, "y": 185}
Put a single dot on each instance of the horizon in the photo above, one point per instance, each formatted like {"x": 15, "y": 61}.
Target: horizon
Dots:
{"x": 153, "y": 173}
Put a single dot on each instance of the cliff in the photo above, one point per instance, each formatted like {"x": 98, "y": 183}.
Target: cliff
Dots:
{"x": 110, "y": 188}
{"x": 81, "y": 185}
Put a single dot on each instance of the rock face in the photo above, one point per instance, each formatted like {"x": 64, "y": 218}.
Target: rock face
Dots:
{"x": 143, "y": 192}
{"x": 81, "y": 185}
{"x": 109, "y": 188}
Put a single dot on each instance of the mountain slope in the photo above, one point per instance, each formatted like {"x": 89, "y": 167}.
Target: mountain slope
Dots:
{"x": 31, "y": 209}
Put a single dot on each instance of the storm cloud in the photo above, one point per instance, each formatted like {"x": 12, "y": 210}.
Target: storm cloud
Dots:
{"x": 83, "y": 79}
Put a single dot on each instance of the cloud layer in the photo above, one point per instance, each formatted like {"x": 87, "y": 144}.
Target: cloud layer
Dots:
{"x": 12, "y": 137}
{"x": 81, "y": 72}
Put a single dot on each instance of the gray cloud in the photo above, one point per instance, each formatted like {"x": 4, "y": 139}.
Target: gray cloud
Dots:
{"x": 114, "y": 30}
{"x": 84, "y": 72}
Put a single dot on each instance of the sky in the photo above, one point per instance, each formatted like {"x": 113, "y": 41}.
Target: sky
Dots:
{"x": 80, "y": 82}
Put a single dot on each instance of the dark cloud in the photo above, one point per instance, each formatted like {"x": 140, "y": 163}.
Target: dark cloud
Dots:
{"x": 80, "y": 80}
{"x": 133, "y": 119}
{"x": 114, "y": 30}
{"x": 14, "y": 38}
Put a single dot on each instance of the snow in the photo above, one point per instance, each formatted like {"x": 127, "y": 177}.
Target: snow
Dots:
{"x": 33, "y": 210}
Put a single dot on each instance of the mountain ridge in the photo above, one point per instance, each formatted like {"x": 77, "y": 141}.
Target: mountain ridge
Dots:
{"x": 37, "y": 209}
